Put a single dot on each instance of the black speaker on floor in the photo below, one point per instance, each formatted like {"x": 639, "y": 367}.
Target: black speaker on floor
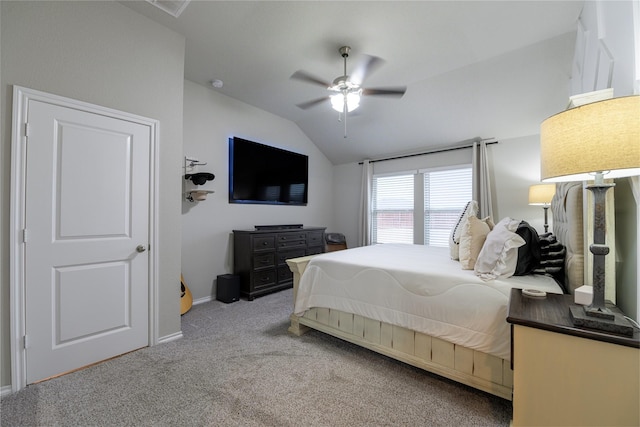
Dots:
{"x": 228, "y": 288}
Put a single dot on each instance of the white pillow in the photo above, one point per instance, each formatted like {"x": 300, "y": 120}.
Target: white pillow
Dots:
{"x": 454, "y": 238}
{"x": 473, "y": 236}
{"x": 499, "y": 255}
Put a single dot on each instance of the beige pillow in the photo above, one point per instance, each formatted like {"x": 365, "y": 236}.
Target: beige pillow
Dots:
{"x": 474, "y": 233}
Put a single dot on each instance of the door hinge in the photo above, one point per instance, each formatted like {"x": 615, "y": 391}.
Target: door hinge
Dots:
{"x": 25, "y": 235}
{"x": 26, "y": 130}
{"x": 25, "y": 341}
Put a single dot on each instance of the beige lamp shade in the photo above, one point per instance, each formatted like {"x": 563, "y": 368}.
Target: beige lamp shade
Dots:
{"x": 541, "y": 194}
{"x": 602, "y": 136}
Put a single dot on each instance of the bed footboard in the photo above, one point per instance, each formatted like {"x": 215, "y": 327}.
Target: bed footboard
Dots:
{"x": 473, "y": 368}
{"x": 297, "y": 266}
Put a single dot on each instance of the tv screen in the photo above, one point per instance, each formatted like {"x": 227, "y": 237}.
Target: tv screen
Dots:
{"x": 263, "y": 174}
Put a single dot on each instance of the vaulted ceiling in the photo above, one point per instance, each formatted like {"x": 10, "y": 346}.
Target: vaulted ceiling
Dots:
{"x": 490, "y": 69}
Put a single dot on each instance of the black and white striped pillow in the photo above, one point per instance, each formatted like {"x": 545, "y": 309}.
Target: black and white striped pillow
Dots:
{"x": 471, "y": 208}
{"x": 552, "y": 256}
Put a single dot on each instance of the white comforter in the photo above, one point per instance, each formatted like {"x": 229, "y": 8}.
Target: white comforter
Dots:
{"x": 417, "y": 287}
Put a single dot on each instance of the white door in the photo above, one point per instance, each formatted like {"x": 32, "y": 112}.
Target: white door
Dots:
{"x": 87, "y": 236}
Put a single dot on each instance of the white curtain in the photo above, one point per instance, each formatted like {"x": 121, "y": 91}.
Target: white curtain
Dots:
{"x": 481, "y": 183}
{"x": 364, "y": 232}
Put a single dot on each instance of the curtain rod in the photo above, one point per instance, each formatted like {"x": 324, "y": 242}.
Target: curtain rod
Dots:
{"x": 424, "y": 153}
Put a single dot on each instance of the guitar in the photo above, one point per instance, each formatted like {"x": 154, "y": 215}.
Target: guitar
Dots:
{"x": 186, "y": 299}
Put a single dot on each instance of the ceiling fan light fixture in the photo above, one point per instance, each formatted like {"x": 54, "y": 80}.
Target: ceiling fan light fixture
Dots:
{"x": 338, "y": 101}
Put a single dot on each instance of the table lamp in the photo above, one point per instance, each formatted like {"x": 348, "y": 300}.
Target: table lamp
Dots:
{"x": 587, "y": 143}
{"x": 541, "y": 195}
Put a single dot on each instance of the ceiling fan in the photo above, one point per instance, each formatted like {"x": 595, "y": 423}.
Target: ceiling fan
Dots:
{"x": 345, "y": 91}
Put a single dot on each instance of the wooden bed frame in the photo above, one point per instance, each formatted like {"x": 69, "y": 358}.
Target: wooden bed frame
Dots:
{"x": 479, "y": 370}
{"x": 467, "y": 366}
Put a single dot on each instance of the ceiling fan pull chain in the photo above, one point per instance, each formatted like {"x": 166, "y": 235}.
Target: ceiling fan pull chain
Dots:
{"x": 345, "y": 116}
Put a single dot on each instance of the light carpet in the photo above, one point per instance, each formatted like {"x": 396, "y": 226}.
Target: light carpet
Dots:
{"x": 238, "y": 366}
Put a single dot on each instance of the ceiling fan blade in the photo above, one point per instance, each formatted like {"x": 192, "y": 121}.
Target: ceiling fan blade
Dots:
{"x": 312, "y": 103}
{"x": 385, "y": 91}
{"x": 367, "y": 66}
{"x": 306, "y": 77}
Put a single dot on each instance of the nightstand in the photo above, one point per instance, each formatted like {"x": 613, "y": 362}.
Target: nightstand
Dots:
{"x": 563, "y": 375}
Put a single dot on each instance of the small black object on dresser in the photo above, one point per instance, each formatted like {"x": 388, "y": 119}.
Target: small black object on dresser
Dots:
{"x": 260, "y": 256}
{"x": 228, "y": 288}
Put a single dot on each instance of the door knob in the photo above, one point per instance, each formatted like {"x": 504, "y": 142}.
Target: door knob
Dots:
{"x": 141, "y": 248}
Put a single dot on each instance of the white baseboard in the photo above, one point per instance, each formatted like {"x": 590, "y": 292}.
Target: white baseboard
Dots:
{"x": 203, "y": 300}
{"x": 169, "y": 338}
{"x": 5, "y": 390}
{"x": 178, "y": 335}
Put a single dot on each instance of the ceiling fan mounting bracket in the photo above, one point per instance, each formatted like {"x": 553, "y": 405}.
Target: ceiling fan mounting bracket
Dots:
{"x": 343, "y": 83}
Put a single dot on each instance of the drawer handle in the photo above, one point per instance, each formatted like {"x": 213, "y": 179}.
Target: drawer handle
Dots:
{"x": 265, "y": 279}
{"x": 264, "y": 243}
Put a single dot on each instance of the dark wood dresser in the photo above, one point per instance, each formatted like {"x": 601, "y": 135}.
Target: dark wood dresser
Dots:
{"x": 259, "y": 256}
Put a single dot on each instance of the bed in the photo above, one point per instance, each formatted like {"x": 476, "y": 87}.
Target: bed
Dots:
{"x": 452, "y": 324}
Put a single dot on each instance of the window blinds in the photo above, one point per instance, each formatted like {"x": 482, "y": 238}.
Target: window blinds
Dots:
{"x": 392, "y": 209}
{"x": 446, "y": 192}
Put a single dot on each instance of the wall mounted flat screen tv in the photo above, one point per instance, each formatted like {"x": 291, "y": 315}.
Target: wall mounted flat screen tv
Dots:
{"x": 264, "y": 174}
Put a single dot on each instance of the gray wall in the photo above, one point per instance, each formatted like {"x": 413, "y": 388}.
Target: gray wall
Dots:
{"x": 105, "y": 54}
{"x": 210, "y": 118}
{"x": 626, "y": 248}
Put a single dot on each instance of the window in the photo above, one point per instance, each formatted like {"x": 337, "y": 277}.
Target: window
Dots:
{"x": 419, "y": 207}
{"x": 445, "y": 194}
{"x": 392, "y": 207}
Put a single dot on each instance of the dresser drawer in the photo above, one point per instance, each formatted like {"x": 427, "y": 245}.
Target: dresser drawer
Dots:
{"x": 292, "y": 244}
{"x": 285, "y": 255}
{"x": 315, "y": 250}
{"x": 264, "y": 260}
{"x": 292, "y": 236}
{"x": 315, "y": 239}
{"x": 263, "y": 243}
{"x": 264, "y": 278}
{"x": 284, "y": 274}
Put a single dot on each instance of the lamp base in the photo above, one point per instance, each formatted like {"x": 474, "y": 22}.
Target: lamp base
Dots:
{"x": 617, "y": 325}
{"x": 602, "y": 313}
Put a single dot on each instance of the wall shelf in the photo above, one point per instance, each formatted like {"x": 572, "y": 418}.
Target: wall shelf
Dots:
{"x": 196, "y": 178}
{"x": 197, "y": 195}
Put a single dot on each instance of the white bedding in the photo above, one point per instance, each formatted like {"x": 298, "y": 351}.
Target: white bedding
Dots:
{"x": 419, "y": 288}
